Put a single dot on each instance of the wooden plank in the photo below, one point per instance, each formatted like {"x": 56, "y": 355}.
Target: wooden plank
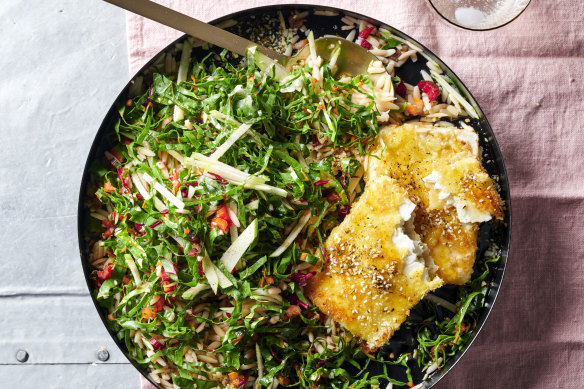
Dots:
{"x": 86, "y": 376}
{"x": 53, "y": 330}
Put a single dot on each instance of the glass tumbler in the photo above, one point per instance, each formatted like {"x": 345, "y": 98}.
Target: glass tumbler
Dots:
{"x": 479, "y": 14}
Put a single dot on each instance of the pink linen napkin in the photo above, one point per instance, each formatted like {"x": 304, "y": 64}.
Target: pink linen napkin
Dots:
{"x": 527, "y": 77}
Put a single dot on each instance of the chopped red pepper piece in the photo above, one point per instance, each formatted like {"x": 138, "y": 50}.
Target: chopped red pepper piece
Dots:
{"x": 222, "y": 219}
{"x": 109, "y": 228}
{"x": 108, "y": 187}
{"x": 175, "y": 181}
{"x": 222, "y": 224}
{"x": 222, "y": 212}
{"x": 267, "y": 280}
{"x": 168, "y": 287}
{"x": 163, "y": 276}
{"x": 293, "y": 310}
{"x": 430, "y": 89}
{"x": 105, "y": 273}
{"x": 158, "y": 305}
{"x": 148, "y": 314}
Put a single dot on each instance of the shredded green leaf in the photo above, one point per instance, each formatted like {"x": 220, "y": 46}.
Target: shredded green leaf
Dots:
{"x": 299, "y": 142}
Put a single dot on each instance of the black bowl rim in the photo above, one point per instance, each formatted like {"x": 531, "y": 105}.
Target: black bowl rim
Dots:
{"x": 504, "y": 184}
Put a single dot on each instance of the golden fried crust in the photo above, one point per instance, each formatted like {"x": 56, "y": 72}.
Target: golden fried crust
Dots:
{"x": 452, "y": 245}
{"x": 441, "y": 170}
{"x": 466, "y": 179}
{"x": 363, "y": 285}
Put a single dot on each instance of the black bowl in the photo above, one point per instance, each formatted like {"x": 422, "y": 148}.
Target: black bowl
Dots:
{"x": 497, "y": 233}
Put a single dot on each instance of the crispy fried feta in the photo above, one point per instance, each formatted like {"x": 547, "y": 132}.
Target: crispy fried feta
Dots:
{"x": 441, "y": 170}
{"x": 466, "y": 187}
{"x": 375, "y": 269}
{"x": 451, "y": 244}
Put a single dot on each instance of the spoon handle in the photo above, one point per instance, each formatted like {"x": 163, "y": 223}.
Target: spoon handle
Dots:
{"x": 192, "y": 26}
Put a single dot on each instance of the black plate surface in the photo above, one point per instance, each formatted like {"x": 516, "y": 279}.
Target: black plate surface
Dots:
{"x": 498, "y": 234}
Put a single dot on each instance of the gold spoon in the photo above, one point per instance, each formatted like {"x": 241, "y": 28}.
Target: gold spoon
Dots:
{"x": 352, "y": 59}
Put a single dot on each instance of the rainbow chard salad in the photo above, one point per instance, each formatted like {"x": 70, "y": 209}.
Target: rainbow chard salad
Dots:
{"x": 211, "y": 210}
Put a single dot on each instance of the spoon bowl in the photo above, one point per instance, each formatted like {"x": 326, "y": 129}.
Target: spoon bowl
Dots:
{"x": 351, "y": 59}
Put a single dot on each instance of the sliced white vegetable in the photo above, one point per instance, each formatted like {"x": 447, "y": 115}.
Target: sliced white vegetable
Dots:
{"x": 440, "y": 301}
{"x": 138, "y": 184}
{"x": 293, "y": 234}
{"x": 145, "y": 151}
{"x": 334, "y": 58}
{"x": 180, "y": 240}
{"x": 159, "y": 205}
{"x": 253, "y": 205}
{"x": 355, "y": 179}
{"x": 132, "y": 266}
{"x": 97, "y": 216}
{"x": 210, "y": 273}
{"x": 232, "y": 212}
{"x": 183, "y": 68}
{"x": 233, "y": 254}
{"x": 191, "y": 192}
{"x": 223, "y": 281}
{"x": 218, "y": 153}
{"x": 178, "y": 156}
{"x": 267, "y": 64}
{"x": 256, "y": 384}
{"x": 215, "y": 277}
{"x": 233, "y": 233}
{"x": 268, "y": 189}
{"x": 195, "y": 290}
{"x": 233, "y": 175}
{"x": 226, "y": 171}
{"x": 425, "y": 75}
{"x": 312, "y": 46}
{"x": 224, "y": 118}
{"x": 163, "y": 191}
{"x": 454, "y": 93}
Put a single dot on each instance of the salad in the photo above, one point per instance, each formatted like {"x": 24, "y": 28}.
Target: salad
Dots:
{"x": 209, "y": 215}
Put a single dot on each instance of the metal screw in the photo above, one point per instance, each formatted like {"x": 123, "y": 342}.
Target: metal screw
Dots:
{"x": 21, "y": 356}
{"x": 103, "y": 355}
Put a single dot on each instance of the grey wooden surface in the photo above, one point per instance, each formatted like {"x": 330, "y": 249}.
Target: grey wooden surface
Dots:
{"x": 62, "y": 64}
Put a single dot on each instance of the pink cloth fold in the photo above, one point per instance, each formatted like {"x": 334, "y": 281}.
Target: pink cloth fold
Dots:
{"x": 528, "y": 79}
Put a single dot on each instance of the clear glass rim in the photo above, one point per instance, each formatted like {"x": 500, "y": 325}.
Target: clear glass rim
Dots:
{"x": 431, "y": 2}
